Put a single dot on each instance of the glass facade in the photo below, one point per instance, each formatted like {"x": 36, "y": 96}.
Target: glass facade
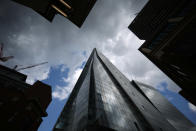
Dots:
{"x": 175, "y": 117}
{"x": 112, "y": 107}
{"x": 106, "y": 100}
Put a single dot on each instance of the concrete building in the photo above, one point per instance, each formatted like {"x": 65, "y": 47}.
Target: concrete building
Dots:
{"x": 169, "y": 28}
{"x": 103, "y": 99}
{"x": 74, "y": 10}
{"x": 22, "y": 106}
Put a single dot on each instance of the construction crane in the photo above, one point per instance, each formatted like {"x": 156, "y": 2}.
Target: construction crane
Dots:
{"x": 2, "y": 58}
{"x": 27, "y": 67}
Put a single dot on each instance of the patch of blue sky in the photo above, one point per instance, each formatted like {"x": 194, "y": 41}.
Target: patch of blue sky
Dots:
{"x": 56, "y": 76}
{"x": 178, "y": 101}
{"x": 84, "y": 53}
{"x": 54, "y": 109}
{"x": 83, "y": 64}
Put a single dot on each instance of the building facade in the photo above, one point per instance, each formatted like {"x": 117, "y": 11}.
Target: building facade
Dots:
{"x": 74, "y": 10}
{"x": 170, "y": 40}
{"x": 22, "y": 106}
{"x": 104, "y": 99}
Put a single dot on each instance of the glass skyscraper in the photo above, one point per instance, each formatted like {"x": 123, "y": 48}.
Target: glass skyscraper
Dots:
{"x": 103, "y": 99}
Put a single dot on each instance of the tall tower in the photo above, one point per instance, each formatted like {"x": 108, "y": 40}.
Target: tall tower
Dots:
{"x": 103, "y": 99}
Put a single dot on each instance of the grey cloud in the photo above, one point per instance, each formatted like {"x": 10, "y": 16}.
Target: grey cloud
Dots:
{"x": 32, "y": 39}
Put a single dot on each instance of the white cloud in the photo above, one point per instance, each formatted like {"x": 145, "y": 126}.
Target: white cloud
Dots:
{"x": 122, "y": 51}
{"x": 62, "y": 93}
{"x": 37, "y": 73}
{"x": 192, "y": 107}
{"x": 33, "y": 40}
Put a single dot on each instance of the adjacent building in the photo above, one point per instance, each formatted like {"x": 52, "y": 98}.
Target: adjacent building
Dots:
{"x": 74, "y": 10}
{"x": 103, "y": 99}
{"x": 169, "y": 28}
{"x": 22, "y": 106}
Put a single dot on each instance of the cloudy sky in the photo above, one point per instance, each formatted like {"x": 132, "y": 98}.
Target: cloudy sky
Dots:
{"x": 31, "y": 39}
